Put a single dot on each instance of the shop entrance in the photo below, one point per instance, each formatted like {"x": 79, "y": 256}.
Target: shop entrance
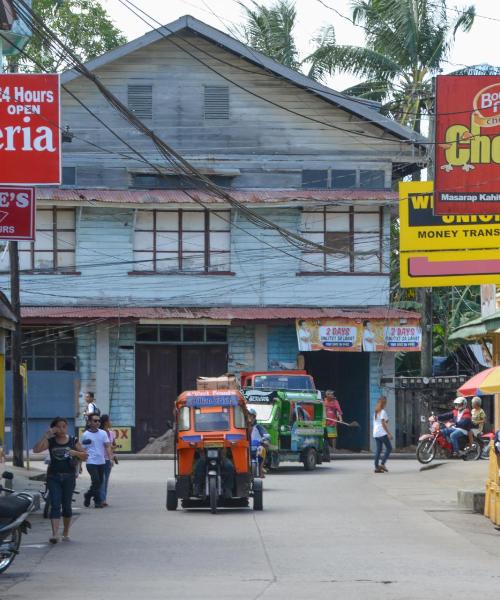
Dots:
{"x": 347, "y": 373}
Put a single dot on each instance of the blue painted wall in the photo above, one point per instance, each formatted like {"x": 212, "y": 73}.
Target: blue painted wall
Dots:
{"x": 282, "y": 347}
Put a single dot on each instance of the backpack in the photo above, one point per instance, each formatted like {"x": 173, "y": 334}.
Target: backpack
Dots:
{"x": 95, "y": 411}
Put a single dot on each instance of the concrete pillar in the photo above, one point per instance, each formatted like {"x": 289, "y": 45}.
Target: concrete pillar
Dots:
{"x": 102, "y": 368}
{"x": 261, "y": 348}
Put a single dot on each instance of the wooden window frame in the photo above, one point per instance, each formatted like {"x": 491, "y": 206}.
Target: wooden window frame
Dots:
{"x": 180, "y": 252}
{"x": 55, "y": 250}
{"x": 351, "y": 272}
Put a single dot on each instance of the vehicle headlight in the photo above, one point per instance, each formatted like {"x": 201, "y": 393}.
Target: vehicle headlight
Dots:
{"x": 212, "y": 453}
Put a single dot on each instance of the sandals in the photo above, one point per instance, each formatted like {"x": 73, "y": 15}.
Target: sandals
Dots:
{"x": 66, "y": 538}
{"x": 54, "y": 540}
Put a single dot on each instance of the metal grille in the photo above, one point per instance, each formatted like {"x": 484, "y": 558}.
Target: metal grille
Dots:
{"x": 216, "y": 102}
{"x": 140, "y": 100}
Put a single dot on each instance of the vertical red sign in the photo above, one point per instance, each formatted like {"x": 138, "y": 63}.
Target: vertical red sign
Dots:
{"x": 467, "y": 176}
{"x": 17, "y": 213}
{"x": 30, "y": 140}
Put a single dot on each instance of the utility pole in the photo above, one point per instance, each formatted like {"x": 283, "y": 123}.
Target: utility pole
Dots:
{"x": 16, "y": 341}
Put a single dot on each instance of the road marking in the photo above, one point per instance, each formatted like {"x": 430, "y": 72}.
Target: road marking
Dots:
{"x": 34, "y": 546}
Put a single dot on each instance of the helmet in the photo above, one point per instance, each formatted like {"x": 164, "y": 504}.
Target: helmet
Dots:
{"x": 460, "y": 401}
{"x": 476, "y": 400}
{"x": 252, "y": 411}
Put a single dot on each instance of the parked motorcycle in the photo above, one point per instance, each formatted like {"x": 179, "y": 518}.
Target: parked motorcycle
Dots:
{"x": 429, "y": 444}
{"x": 15, "y": 508}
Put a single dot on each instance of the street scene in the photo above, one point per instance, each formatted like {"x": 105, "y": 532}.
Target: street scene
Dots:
{"x": 249, "y": 303}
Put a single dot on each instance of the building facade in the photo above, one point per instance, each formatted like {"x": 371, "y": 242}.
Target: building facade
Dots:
{"x": 140, "y": 280}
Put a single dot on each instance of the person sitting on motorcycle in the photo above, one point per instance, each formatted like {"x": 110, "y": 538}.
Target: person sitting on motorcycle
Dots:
{"x": 227, "y": 474}
{"x": 258, "y": 437}
{"x": 462, "y": 423}
{"x": 478, "y": 418}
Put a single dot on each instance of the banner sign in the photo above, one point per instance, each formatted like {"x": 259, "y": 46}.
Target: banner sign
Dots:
{"x": 30, "y": 137}
{"x": 355, "y": 335}
{"x": 17, "y": 213}
{"x": 444, "y": 250}
{"x": 467, "y": 150}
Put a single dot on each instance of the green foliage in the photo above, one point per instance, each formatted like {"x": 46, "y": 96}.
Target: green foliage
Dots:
{"x": 83, "y": 25}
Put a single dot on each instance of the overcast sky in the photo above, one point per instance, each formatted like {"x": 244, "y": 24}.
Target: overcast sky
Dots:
{"x": 477, "y": 47}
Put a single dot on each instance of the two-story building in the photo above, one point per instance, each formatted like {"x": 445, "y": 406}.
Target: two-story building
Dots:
{"x": 138, "y": 282}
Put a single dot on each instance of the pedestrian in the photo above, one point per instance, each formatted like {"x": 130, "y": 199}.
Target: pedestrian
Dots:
{"x": 90, "y": 408}
{"x": 65, "y": 454}
{"x": 381, "y": 434}
{"x": 333, "y": 414}
{"x": 106, "y": 426}
{"x": 96, "y": 443}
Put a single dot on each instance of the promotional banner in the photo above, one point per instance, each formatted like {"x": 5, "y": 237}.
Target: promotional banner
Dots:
{"x": 30, "y": 137}
{"x": 447, "y": 249}
{"x": 350, "y": 335}
{"x": 467, "y": 150}
{"x": 17, "y": 213}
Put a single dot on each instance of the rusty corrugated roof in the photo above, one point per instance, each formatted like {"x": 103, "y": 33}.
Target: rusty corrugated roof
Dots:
{"x": 223, "y": 313}
{"x": 260, "y": 196}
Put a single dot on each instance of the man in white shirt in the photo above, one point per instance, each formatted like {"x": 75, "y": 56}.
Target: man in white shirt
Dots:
{"x": 90, "y": 408}
{"x": 96, "y": 443}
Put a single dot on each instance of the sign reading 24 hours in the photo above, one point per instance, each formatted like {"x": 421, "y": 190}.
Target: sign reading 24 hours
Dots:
{"x": 30, "y": 140}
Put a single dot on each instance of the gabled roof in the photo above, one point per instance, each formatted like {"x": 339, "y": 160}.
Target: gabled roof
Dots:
{"x": 358, "y": 107}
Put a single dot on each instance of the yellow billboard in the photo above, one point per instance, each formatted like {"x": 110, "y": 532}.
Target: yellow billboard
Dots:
{"x": 422, "y": 230}
{"x": 444, "y": 250}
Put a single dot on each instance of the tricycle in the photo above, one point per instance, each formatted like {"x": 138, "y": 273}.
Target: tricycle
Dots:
{"x": 212, "y": 463}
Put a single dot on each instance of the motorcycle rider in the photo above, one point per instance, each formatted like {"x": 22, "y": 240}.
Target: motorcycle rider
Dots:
{"x": 258, "y": 437}
{"x": 478, "y": 418}
{"x": 462, "y": 423}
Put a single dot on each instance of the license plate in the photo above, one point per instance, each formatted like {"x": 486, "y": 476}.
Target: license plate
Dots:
{"x": 215, "y": 445}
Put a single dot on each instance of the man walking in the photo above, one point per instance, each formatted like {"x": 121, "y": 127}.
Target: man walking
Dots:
{"x": 96, "y": 443}
{"x": 90, "y": 408}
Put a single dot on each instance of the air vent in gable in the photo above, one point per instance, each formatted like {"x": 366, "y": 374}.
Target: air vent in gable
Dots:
{"x": 216, "y": 102}
{"x": 140, "y": 100}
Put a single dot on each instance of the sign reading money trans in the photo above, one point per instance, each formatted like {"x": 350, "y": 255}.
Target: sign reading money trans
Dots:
{"x": 17, "y": 213}
{"x": 467, "y": 145}
{"x": 30, "y": 140}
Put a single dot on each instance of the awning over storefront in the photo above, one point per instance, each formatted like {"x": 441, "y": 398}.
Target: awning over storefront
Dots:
{"x": 478, "y": 328}
{"x": 52, "y": 314}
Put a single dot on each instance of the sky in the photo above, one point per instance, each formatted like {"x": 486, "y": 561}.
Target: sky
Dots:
{"x": 476, "y": 47}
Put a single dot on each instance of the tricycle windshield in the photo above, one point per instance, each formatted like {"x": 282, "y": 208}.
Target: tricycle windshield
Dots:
{"x": 211, "y": 421}
{"x": 283, "y": 382}
{"x": 263, "y": 411}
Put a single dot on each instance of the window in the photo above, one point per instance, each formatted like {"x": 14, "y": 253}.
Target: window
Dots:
{"x": 239, "y": 418}
{"x": 343, "y": 179}
{"x": 372, "y": 180}
{"x": 48, "y": 349}
{"x": 69, "y": 176}
{"x": 211, "y": 421}
{"x": 184, "y": 420}
{"x": 140, "y": 100}
{"x": 54, "y": 248}
{"x": 182, "y": 334}
{"x": 187, "y": 241}
{"x": 353, "y": 236}
{"x": 150, "y": 181}
{"x": 314, "y": 180}
{"x": 216, "y": 102}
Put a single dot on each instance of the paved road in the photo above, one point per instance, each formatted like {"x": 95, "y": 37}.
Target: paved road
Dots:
{"x": 339, "y": 530}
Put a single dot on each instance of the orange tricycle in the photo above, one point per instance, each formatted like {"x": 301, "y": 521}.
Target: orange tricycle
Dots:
{"x": 212, "y": 452}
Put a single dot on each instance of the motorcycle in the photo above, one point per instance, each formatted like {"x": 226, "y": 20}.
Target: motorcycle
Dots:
{"x": 259, "y": 449}
{"x": 15, "y": 508}
{"x": 484, "y": 439}
{"x": 430, "y": 443}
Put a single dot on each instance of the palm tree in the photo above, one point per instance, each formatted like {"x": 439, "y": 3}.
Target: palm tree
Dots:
{"x": 407, "y": 42}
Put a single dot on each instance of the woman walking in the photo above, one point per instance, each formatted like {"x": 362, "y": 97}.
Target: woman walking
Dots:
{"x": 381, "y": 434}
{"x": 65, "y": 452}
{"x": 106, "y": 426}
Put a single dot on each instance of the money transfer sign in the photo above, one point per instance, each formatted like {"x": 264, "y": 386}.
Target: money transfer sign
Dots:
{"x": 17, "y": 213}
{"x": 356, "y": 335}
{"x": 467, "y": 151}
{"x": 448, "y": 249}
{"x": 30, "y": 140}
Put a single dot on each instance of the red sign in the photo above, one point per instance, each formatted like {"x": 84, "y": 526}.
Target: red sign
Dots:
{"x": 17, "y": 213}
{"x": 467, "y": 178}
{"x": 30, "y": 140}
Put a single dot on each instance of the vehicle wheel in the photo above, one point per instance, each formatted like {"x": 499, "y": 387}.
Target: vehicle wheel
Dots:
{"x": 474, "y": 453}
{"x": 172, "y": 499}
{"x": 212, "y": 492}
{"x": 426, "y": 451}
{"x": 7, "y": 558}
{"x": 258, "y": 490}
{"x": 485, "y": 452}
{"x": 310, "y": 459}
{"x": 255, "y": 468}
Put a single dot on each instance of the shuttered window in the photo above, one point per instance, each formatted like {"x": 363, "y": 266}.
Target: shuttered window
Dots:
{"x": 140, "y": 100}
{"x": 216, "y": 105}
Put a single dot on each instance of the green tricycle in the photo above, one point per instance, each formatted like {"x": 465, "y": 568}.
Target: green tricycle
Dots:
{"x": 295, "y": 421}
